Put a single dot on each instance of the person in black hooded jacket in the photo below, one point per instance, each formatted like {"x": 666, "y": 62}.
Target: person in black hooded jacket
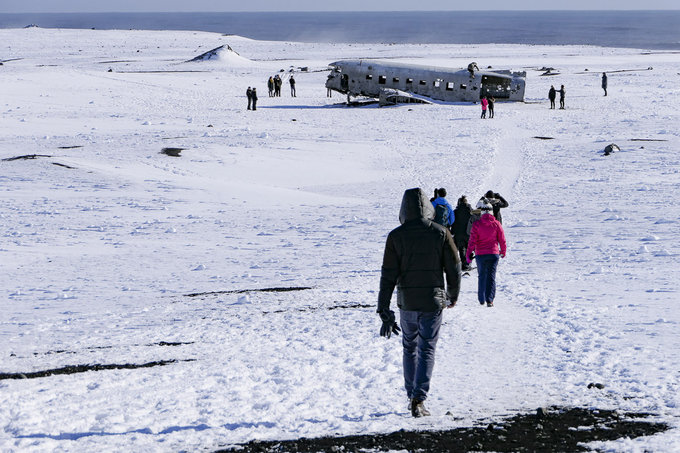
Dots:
{"x": 498, "y": 202}
{"x": 461, "y": 236}
{"x": 418, "y": 254}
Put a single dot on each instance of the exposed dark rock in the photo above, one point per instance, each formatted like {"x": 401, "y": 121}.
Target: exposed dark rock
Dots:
{"x": 73, "y": 369}
{"x": 174, "y": 152}
{"x": 26, "y": 156}
{"x": 212, "y": 53}
{"x": 63, "y": 165}
{"x": 261, "y": 290}
{"x": 563, "y": 430}
{"x": 610, "y": 149}
{"x": 333, "y": 307}
{"x": 542, "y": 412}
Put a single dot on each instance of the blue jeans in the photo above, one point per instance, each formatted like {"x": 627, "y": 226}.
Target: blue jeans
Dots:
{"x": 420, "y": 332}
{"x": 486, "y": 280}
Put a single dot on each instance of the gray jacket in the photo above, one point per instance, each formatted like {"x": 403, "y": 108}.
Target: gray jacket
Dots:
{"x": 417, "y": 256}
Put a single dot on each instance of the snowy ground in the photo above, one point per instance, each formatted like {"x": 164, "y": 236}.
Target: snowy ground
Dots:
{"x": 96, "y": 260}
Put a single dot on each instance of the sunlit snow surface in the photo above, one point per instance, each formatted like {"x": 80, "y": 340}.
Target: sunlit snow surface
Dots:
{"x": 96, "y": 260}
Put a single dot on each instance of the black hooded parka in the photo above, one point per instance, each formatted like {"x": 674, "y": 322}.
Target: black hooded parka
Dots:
{"x": 417, "y": 255}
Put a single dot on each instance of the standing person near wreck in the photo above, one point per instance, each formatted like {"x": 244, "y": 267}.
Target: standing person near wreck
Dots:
{"x": 417, "y": 256}
{"x": 249, "y": 95}
{"x": 551, "y": 95}
{"x": 604, "y": 82}
{"x": 492, "y": 101}
{"x": 485, "y": 104}
{"x": 253, "y": 95}
{"x": 277, "y": 85}
{"x": 270, "y": 86}
{"x": 487, "y": 242}
{"x": 292, "y": 86}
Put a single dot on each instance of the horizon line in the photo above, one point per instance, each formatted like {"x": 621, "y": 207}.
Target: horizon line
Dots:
{"x": 351, "y": 11}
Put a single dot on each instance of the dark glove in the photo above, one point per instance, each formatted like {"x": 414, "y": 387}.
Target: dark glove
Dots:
{"x": 389, "y": 325}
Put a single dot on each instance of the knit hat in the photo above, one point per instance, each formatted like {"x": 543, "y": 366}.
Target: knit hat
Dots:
{"x": 484, "y": 204}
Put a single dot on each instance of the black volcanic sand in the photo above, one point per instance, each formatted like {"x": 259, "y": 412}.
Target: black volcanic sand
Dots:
{"x": 551, "y": 429}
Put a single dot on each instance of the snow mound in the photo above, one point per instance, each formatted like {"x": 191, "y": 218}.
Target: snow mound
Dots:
{"x": 223, "y": 54}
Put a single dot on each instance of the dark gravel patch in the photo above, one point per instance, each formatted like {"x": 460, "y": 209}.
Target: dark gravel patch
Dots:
{"x": 551, "y": 429}
{"x": 261, "y": 290}
{"x": 73, "y": 369}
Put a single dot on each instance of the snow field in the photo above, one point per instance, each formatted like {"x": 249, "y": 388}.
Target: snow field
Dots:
{"x": 97, "y": 261}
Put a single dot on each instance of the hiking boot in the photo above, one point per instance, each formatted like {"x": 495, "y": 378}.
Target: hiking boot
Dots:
{"x": 481, "y": 302}
{"x": 489, "y": 304}
{"x": 418, "y": 409}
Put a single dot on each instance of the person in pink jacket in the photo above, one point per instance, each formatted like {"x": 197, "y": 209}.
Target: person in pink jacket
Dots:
{"x": 487, "y": 242}
{"x": 485, "y": 104}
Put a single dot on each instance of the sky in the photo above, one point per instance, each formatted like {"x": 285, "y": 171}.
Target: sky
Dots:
{"x": 68, "y": 6}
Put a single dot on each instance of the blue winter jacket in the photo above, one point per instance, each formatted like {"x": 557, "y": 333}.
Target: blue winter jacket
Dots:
{"x": 444, "y": 201}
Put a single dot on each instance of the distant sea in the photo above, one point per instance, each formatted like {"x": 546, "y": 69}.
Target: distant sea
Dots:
{"x": 658, "y": 30}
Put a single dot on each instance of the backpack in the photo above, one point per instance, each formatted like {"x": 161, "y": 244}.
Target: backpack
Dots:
{"x": 441, "y": 215}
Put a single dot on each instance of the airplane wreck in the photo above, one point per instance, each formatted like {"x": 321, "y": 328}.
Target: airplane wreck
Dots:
{"x": 372, "y": 77}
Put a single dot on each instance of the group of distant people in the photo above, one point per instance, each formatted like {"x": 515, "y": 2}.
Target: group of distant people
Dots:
{"x": 552, "y": 93}
{"x": 274, "y": 86}
{"x": 420, "y": 255}
{"x": 460, "y": 222}
{"x": 488, "y": 103}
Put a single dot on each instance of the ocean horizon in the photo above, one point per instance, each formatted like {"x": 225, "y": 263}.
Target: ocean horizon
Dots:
{"x": 657, "y": 30}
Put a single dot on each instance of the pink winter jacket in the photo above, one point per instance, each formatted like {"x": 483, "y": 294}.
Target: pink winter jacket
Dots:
{"x": 485, "y": 237}
{"x": 485, "y": 103}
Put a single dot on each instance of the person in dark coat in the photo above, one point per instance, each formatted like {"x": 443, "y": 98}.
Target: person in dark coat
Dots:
{"x": 249, "y": 94}
{"x": 422, "y": 262}
{"x": 551, "y": 95}
{"x": 270, "y": 86}
{"x": 292, "y": 86}
{"x": 563, "y": 93}
{"x": 459, "y": 229}
{"x": 277, "y": 85}
{"x": 492, "y": 101}
{"x": 604, "y": 82}
{"x": 254, "y": 97}
{"x": 472, "y": 67}
{"x": 498, "y": 202}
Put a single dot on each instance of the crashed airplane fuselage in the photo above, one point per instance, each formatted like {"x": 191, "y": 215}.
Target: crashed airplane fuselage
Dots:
{"x": 369, "y": 77}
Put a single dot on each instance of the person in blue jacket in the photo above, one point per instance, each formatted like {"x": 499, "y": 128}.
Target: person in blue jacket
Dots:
{"x": 441, "y": 199}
